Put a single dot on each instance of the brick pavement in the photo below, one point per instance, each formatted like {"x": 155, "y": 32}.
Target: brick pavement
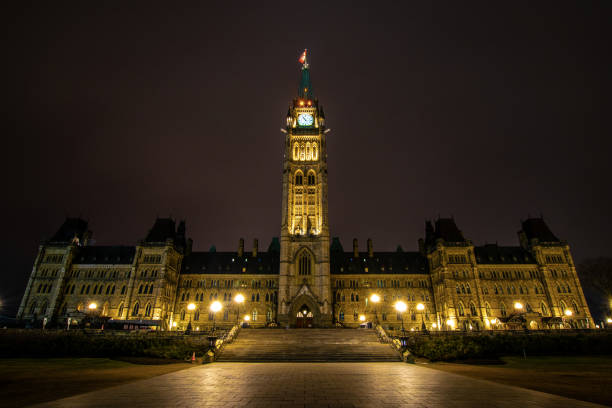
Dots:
{"x": 314, "y": 385}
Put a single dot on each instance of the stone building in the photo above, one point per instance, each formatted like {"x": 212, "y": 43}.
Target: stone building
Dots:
{"x": 305, "y": 278}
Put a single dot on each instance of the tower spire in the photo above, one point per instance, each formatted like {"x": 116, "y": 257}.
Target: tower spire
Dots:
{"x": 305, "y": 89}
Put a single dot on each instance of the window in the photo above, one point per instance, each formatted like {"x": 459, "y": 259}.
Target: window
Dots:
{"x": 311, "y": 179}
{"x": 305, "y": 264}
{"x": 254, "y": 315}
{"x": 502, "y": 310}
{"x": 148, "y": 310}
{"x": 135, "y": 310}
{"x": 341, "y": 316}
{"x": 298, "y": 179}
{"x": 473, "y": 310}
{"x": 544, "y": 309}
{"x": 461, "y": 310}
{"x": 120, "y": 311}
{"x": 196, "y": 315}
{"x": 488, "y": 309}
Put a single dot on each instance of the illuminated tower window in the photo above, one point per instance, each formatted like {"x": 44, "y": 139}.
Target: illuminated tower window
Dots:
{"x": 305, "y": 264}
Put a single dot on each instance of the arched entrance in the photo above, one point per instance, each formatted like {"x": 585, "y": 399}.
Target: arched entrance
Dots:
{"x": 304, "y": 318}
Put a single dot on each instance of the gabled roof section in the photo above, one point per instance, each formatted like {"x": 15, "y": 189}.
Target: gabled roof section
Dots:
{"x": 162, "y": 230}
{"x": 447, "y": 229}
{"x": 115, "y": 255}
{"x": 265, "y": 263}
{"x": 537, "y": 228}
{"x": 71, "y": 228}
{"x": 382, "y": 262}
{"x": 494, "y": 254}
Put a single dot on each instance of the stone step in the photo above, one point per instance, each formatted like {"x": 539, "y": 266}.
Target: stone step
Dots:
{"x": 307, "y": 345}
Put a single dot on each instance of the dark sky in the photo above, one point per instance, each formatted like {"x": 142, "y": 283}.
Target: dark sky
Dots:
{"x": 122, "y": 111}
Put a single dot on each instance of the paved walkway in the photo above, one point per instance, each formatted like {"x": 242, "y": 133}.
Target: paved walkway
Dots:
{"x": 317, "y": 385}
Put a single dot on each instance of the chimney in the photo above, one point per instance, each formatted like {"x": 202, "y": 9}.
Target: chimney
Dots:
{"x": 370, "y": 248}
{"x": 355, "y": 248}
{"x": 255, "y": 244}
{"x": 240, "y": 247}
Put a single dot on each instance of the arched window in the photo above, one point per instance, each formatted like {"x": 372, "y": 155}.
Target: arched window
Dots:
{"x": 352, "y": 297}
{"x": 563, "y": 307}
{"x": 528, "y": 308}
{"x": 467, "y": 288}
{"x": 544, "y": 309}
{"x": 473, "y": 310}
{"x": 296, "y": 151}
{"x": 308, "y": 152}
{"x": 148, "y": 310}
{"x": 315, "y": 151}
{"x": 462, "y": 288}
{"x": 182, "y": 315}
{"x": 140, "y": 289}
{"x": 123, "y": 290}
{"x": 298, "y": 178}
{"x": 311, "y": 179}
{"x": 135, "y": 309}
{"x": 341, "y": 316}
{"x": 120, "y": 311}
{"x": 461, "y": 310}
{"x": 33, "y": 308}
{"x": 502, "y": 310}
{"x": 150, "y": 289}
{"x": 254, "y": 315}
{"x": 575, "y": 307}
{"x": 458, "y": 289}
{"x": 196, "y": 315}
{"x": 305, "y": 264}
{"x": 488, "y": 309}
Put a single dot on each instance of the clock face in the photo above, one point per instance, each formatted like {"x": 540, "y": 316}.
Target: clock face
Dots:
{"x": 305, "y": 119}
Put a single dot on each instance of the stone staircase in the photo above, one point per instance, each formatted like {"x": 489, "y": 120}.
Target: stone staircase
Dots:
{"x": 277, "y": 345}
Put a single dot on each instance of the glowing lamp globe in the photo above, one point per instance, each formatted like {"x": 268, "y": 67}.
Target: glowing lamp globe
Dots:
{"x": 92, "y": 306}
{"x": 400, "y": 306}
{"x": 568, "y": 312}
{"x": 216, "y": 306}
{"x": 420, "y": 306}
{"x": 375, "y": 298}
{"x": 239, "y": 298}
{"x": 191, "y": 306}
{"x": 362, "y": 318}
{"x": 247, "y": 318}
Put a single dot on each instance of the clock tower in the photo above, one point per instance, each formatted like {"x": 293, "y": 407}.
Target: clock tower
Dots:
{"x": 304, "y": 282}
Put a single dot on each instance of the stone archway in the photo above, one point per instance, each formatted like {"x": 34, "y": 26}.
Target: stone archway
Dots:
{"x": 311, "y": 317}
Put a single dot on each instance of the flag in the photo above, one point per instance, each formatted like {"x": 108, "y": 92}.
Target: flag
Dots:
{"x": 302, "y": 59}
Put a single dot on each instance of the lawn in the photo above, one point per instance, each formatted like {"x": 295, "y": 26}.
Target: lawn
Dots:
{"x": 583, "y": 378}
{"x": 26, "y": 381}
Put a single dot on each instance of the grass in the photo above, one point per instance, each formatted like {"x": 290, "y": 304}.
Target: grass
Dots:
{"x": 26, "y": 381}
{"x": 585, "y": 378}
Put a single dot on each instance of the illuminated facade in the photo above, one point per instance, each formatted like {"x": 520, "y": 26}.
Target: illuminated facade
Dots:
{"x": 305, "y": 278}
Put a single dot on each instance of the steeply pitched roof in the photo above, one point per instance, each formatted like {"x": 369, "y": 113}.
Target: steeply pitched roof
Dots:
{"x": 305, "y": 89}
{"x": 229, "y": 262}
{"x": 537, "y": 228}
{"x": 163, "y": 229}
{"x": 493, "y": 254}
{"x": 72, "y": 227}
{"x": 381, "y": 262}
{"x": 120, "y": 255}
{"x": 447, "y": 230}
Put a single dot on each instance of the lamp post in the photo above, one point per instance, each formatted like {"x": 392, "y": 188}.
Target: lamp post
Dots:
{"x": 239, "y": 298}
{"x": 191, "y": 307}
{"x": 567, "y": 313}
{"x": 401, "y": 308}
{"x": 420, "y": 307}
{"x": 375, "y": 299}
{"x": 92, "y": 310}
{"x": 214, "y": 308}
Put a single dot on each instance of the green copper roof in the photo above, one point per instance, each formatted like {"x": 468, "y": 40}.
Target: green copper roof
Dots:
{"x": 305, "y": 89}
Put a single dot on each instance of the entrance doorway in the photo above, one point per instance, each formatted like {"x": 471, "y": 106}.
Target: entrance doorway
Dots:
{"x": 304, "y": 318}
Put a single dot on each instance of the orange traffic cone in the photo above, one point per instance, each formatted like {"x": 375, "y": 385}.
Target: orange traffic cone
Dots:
{"x": 193, "y": 358}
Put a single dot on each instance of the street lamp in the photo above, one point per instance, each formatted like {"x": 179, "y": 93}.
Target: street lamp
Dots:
{"x": 375, "y": 299}
{"x": 401, "y": 308}
{"x": 215, "y": 307}
{"x": 421, "y": 307}
{"x": 239, "y": 298}
{"x": 518, "y": 306}
{"x": 191, "y": 307}
{"x": 92, "y": 306}
{"x": 362, "y": 318}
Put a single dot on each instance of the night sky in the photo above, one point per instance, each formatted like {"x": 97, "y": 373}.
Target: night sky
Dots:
{"x": 121, "y": 112}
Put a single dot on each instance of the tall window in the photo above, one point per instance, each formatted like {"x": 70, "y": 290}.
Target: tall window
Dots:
{"x": 503, "y": 310}
{"x": 148, "y": 310}
{"x": 298, "y": 179}
{"x": 305, "y": 264}
{"x": 311, "y": 179}
{"x": 136, "y": 309}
